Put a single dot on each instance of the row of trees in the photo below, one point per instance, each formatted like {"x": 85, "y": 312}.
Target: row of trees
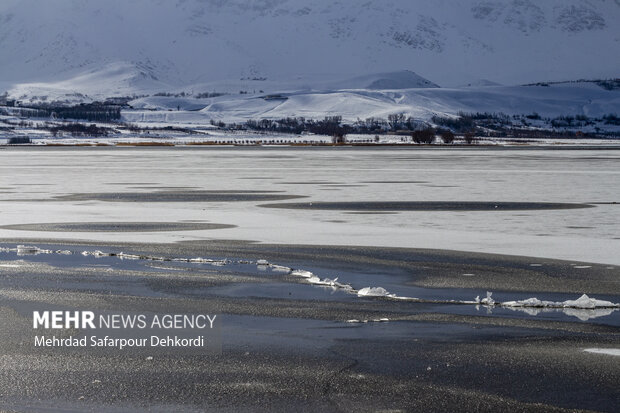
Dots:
{"x": 79, "y": 129}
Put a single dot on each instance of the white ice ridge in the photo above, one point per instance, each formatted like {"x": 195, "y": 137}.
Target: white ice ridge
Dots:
{"x": 583, "y": 308}
{"x": 583, "y": 302}
{"x": 33, "y": 250}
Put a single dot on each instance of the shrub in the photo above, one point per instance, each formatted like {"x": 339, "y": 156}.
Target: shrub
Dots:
{"x": 423, "y": 136}
{"x": 19, "y": 140}
{"x": 447, "y": 136}
{"x": 470, "y": 137}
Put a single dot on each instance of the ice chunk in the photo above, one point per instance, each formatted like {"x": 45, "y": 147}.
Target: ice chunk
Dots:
{"x": 584, "y": 314}
{"x": 485, "y": 301}
{"x": 31, "y": 250}
{"x": 530, "y": 302}
{"x": 583, "y": 302}
{"x": 200, "y": 260}
{"x": 373, "y": 292}
{"x": 124, "y": 256}
{"x": 586, "y": 302}
{"x": 280, "y": 268}
{"x": 96, "y": 253}
{"x": 302, "y": 273}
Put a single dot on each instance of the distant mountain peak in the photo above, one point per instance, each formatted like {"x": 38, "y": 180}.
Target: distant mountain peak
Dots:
{"x": 191, "y": 41}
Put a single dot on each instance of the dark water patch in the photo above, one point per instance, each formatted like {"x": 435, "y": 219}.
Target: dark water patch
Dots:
{"x": 117, "y": 226}
{"x": 179, "y": 196}
{"x": 426, "y": 206}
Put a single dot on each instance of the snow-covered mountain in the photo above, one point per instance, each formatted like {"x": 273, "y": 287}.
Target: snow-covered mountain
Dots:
{"x": 147, "y": 44}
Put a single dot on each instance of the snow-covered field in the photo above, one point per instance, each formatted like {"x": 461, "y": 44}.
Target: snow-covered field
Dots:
{"x": 30, "y": 178}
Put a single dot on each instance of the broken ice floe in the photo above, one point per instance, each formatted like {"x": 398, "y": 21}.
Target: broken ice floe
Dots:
{"x": 31, "y": 250}
{"x": 583, "y": 308}
{"x": 581, "y": 314}
{"x": 486, "y": 301}
{"x": 374, "y": 292}
{"x": 96, "y": 253}
{"x": 280, "y": 268}
{"x": 583, "y": 302}
{"x": 302, "y": 273}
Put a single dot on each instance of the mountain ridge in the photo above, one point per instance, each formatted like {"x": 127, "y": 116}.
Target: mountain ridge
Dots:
{"x": 186, "y": 42}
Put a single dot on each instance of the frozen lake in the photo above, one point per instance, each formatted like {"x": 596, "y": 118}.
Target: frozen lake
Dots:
{"x": 318, "y": 312}
{"x": 179, "y": 187}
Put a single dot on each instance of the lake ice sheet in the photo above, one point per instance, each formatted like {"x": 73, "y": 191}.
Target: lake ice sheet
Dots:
{"x": 472, "y": 174}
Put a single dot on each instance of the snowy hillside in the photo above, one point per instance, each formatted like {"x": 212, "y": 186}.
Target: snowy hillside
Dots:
{"x": 184, "y": 42}
{"x": 583, "y": 98}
